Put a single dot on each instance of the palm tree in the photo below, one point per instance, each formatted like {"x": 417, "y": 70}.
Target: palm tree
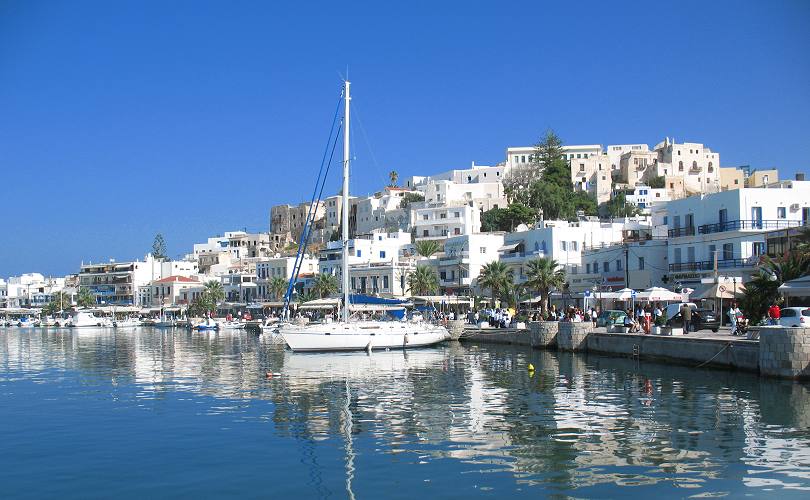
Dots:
{"x": 496, "y": 276}
{"x": 305, "y": 297}
{"x": 277, "y": 287}
{"x": 325, "y": 285}
{"x": 423, "y": 281}
{"x": 544, "y": 275}
{"x": 763, "y": 289}
{"x": 214, "y": 292}
{"x": 85, "y": 298}
{"x": 426, "y": 248}
{"x": 394, "y": 176}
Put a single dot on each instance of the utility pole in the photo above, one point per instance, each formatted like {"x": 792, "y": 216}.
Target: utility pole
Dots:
{"x": 626, "y": 265}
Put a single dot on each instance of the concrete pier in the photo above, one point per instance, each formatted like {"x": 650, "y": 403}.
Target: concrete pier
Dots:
{"x": 779, "y": 352}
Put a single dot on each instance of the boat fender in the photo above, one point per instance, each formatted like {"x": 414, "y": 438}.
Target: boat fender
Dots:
{"x": 530, "y": 367}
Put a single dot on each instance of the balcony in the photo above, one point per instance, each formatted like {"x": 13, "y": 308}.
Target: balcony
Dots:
{"x": 681, "y": 231}
{"x": 708, "y": 265}
{"x": 740, "y": 225}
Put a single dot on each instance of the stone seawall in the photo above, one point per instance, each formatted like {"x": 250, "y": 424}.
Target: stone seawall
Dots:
{"x": 573, "y": 336}
{"x": 784, "y": 352}
{"x": 544, "y": 334}
{"x": 738, "y": 354}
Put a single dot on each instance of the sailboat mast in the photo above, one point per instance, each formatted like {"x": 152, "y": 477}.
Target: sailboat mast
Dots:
{"x": 345, "y": 202}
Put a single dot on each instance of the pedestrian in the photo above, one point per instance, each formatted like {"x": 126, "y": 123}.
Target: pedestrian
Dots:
{"x": 774, "y": 314}
{"x": 686, "y": 316}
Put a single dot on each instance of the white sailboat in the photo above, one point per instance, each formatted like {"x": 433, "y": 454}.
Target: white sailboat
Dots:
{"x": 346, "y": 335}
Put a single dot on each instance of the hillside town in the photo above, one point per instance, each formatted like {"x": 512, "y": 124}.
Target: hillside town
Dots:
{"x": 613, "y": 217}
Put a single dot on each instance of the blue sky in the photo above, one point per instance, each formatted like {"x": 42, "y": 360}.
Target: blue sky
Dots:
{"x": 119, "y": 120}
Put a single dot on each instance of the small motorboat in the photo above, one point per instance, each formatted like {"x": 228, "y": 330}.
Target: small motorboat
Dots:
{"x": 232, "y": 325}
{"x": 86, "y": 319}
{"x": 128, "y": 322}
{"x": 27, "y": 322}
{"x": 208, "y": 324}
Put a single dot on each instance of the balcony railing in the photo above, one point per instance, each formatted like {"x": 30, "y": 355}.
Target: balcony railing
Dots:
{"x": 681, "y": 231}
{"x": 738, "y": 225}
{"x": 708, "y": 265}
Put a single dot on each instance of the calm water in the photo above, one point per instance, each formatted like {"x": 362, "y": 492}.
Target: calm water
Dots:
{"x": 159, "y": 414}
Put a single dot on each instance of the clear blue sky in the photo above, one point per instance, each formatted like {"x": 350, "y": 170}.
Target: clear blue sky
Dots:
{"x": 122, "y": 119}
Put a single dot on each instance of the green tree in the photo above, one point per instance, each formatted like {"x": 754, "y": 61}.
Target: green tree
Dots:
{"x": 584, "y": 202}
{"x": 423, "y": 281}
{"x": 426, "y": 248}
{"x": 498, "y": 277}
{"x": 507, "y": 219}
{"x": 214, "y": 292}
{"x": 555, "y": 201}
{"x": 544, "y": 275}
{"x": 324, "y": 285}
{"x": 277, "y": 287}
{"x": 159, "y": 248}
{"x": 763, "y": 289}
{"x": 618, "y": 206}
{"x": 393, "y": 176}
{"x": 201, "y": 306}
{"x": 550, "y": 157}
{"x": 409, "y": 198}
{"x": 658, "y": 182}
{"x": 85, "y": 297}
{"x": 305, "y": 297}
{"x": 59, "y": 301}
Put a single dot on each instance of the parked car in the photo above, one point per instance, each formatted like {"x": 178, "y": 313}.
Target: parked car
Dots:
{"x": 702, "y": 319}
{"x": 794, "y": 316}
{"x": 611, "y": 317}
{"x": 672, "y": 309}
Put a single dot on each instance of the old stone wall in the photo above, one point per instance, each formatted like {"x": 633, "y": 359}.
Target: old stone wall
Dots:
{"x": 573, "y": 336}
{"x": 543, "y": 334}
{"x": 784, "y": 352}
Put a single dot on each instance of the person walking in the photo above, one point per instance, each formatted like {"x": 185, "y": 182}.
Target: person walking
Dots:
{"x": 686, "y": 316}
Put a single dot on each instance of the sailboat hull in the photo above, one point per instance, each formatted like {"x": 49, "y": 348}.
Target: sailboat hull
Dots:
{"x": 362, "y": 336}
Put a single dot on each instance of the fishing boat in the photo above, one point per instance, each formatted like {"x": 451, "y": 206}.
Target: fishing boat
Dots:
{"x": 232, "y": 325}
{"x": 349, "y": 334}
{"x": 27, "y": 322}
{"x": 86, "y": 319}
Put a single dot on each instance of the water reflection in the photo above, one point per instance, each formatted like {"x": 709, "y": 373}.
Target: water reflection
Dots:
{"x": 590, "y": 425}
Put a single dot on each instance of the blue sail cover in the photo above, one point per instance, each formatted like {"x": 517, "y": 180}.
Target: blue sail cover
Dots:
{"x": 358, "y": 299}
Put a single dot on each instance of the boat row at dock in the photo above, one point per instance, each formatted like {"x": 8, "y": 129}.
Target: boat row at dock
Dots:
{"x": 93, "y": 318}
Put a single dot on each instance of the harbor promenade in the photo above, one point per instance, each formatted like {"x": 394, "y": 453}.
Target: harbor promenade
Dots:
{"x": 769, "y": 351}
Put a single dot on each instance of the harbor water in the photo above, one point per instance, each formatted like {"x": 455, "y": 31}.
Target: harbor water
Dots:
{"x": 145, "y": 413}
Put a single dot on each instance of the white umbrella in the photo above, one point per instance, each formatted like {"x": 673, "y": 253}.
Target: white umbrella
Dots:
{"x": 656, "y": 294}
{"x": 624, "y": 294}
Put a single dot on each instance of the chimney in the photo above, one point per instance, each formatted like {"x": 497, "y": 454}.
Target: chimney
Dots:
{"x": 799, "y": 176}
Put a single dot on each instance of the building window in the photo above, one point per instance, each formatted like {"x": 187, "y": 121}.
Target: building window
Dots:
{"x": 728, "y": 251}
{"x": 442, "y": 216}
{"x": 382, "y": 254}
{"x": 574, "y": 246}
{"x": 483, "y": 249}
{"x": 443, "y": 275}
{"x": 781, "y": 213}
{"x": 607, "y": 267}
{"x": 581, "y": 167}
{"x": 425, "y": 232}
{"x": 641, "y": 263}
{"x": 680, "y": 166}
{"x": 758, "y": 248}
{"x": 456, "y": 231}
{"x": 359, "y": 253}
{"x": 618, "y": 264}
{"x": 588, "y": 268}
{"x": 595, "y": 267}
{"x": 677, "y": 255}
{"x": 564, "y": 245}
{"x": 385, "y": 282}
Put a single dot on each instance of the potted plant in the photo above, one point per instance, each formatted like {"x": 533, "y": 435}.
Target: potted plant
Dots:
{"x": 660, "y": 323}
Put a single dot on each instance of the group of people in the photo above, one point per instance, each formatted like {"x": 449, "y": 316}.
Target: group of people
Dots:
{"x": 643, "y": 317}
{"x": 496, "y": 317}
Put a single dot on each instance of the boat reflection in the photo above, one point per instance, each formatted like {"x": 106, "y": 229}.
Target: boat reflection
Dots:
{"x": 576, "y": 422}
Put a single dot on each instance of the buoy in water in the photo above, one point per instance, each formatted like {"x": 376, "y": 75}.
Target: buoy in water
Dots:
{"x": 530, "y": 367}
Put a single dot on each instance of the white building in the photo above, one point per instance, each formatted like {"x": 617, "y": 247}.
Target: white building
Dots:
{"x": 172, "y": 290}
{"x": 562, "y": 241}
{"x": 439, "y": 222}
{"x": 643, "y": 262}
{"x": 281, "y": 267}
{"x": 482, "y": 195}
{"x": 615, "y": 152}
{"x": 118, "y": 283}
{"x": 522, "y": 156}
{"x": 476, "y": 174}
{"x": 698, "y": 165}
{"x": 382, "y": 211}
{"x": 383, "y": 279}
{"x": 378, "y": 248}
{"x": 593, "y": 176}
{"x": 645, "y": 198}
{"x": 29, "y": 290}
{"x": 459, "y": 266}
{"x": 730, "y": 226}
